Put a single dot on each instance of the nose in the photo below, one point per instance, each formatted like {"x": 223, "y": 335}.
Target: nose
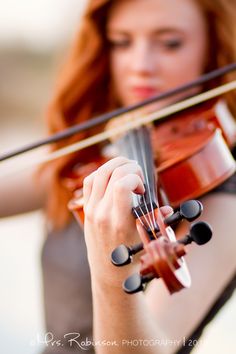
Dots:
{"x": 144, "y": 60}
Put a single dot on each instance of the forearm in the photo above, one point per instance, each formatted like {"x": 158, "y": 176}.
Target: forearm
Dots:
{"x": 21, "y": 193}
{"x": 133, "y": 329}
{"x": 118, "y": 317}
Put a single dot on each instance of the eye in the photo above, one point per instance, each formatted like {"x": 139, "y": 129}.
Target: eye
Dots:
{"x": 119, "y": 43}
{"x": 172, "y": 44}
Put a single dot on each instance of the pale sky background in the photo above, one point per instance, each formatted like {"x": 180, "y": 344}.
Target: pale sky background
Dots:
{"x": 38, "y": 23}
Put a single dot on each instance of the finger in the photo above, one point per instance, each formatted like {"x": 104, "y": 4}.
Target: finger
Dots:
{"x": 163, "y": 212}
{"x": 87, "y": 187}
{"x": 166, "y": 210}
{"x": 122, "y": 193}
{"x": 131, "y": 167}
{"x": 102, "y": 177}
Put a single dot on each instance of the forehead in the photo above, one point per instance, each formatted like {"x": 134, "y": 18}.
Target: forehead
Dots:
{"x": 135, "y": 15}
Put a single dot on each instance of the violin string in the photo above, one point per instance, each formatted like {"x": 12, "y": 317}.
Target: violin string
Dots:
{"x": 138, "y": 145}
{"x": 155, "y": 116}
{"x": 145, "y": 225}
{"x": 139, "y": 218}
{"x": 127, "y": 147}
{"x": 132, "y": 143}
{"x": 144, "y": 156}
{"x": 141, "y": 141}
{"x": 134, "y": 149}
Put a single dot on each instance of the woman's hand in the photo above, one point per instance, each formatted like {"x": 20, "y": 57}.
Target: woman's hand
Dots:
{"x": 107, "y": 208}
{"x": 108, "y": 217}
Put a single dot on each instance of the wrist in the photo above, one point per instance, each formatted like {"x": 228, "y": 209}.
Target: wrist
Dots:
{"x": 103, "y": 276}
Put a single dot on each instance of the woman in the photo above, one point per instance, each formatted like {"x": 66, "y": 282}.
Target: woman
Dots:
{"x": 147, "y": 53}
{"x": 127, "y": 51}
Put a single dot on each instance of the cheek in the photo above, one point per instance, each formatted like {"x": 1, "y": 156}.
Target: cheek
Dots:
{"x": 190, "y": 62}
{"x": 196, "y": 58}
{"x": 118, "y": 73}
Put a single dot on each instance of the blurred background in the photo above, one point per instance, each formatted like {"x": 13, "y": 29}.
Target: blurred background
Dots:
{"x": 34, "y": 37}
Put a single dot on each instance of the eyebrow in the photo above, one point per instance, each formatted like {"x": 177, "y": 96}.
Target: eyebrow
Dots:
{"x": 160, "y": 31}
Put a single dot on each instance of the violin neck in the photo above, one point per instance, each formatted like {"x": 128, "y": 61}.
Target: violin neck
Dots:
{"x": 136, "y": 145}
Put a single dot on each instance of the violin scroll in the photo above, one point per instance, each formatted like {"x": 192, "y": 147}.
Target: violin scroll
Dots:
{"x": 163, "y": 257}
{"x": 189, "y": 210}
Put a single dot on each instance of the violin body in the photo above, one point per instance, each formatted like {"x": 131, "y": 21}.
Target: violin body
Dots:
{"x": 201, "y": 170}
{"x": 191, "y": 154}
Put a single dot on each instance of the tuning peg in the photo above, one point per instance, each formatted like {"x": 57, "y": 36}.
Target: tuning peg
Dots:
{"x": 122, "y": 254}
{"x": 135, "y": 283}
{"x": 200, "y": 233}
{"x": 189, "y": 210}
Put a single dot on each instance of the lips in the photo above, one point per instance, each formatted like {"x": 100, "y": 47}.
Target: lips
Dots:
{"x": 144, "y": 91}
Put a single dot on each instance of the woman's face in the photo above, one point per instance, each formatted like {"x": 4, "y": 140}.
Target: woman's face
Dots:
{"x": 155, "y": 45}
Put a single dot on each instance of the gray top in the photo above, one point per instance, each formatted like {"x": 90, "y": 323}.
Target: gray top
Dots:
{"x": 67, "y": 291}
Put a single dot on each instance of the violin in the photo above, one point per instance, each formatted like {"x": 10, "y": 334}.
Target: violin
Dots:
{"x": 181, "y": 158}
{"x": 163, "y": 257}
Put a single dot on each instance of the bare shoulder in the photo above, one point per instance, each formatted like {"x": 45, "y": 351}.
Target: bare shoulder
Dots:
{"x": 211, "y": 267}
